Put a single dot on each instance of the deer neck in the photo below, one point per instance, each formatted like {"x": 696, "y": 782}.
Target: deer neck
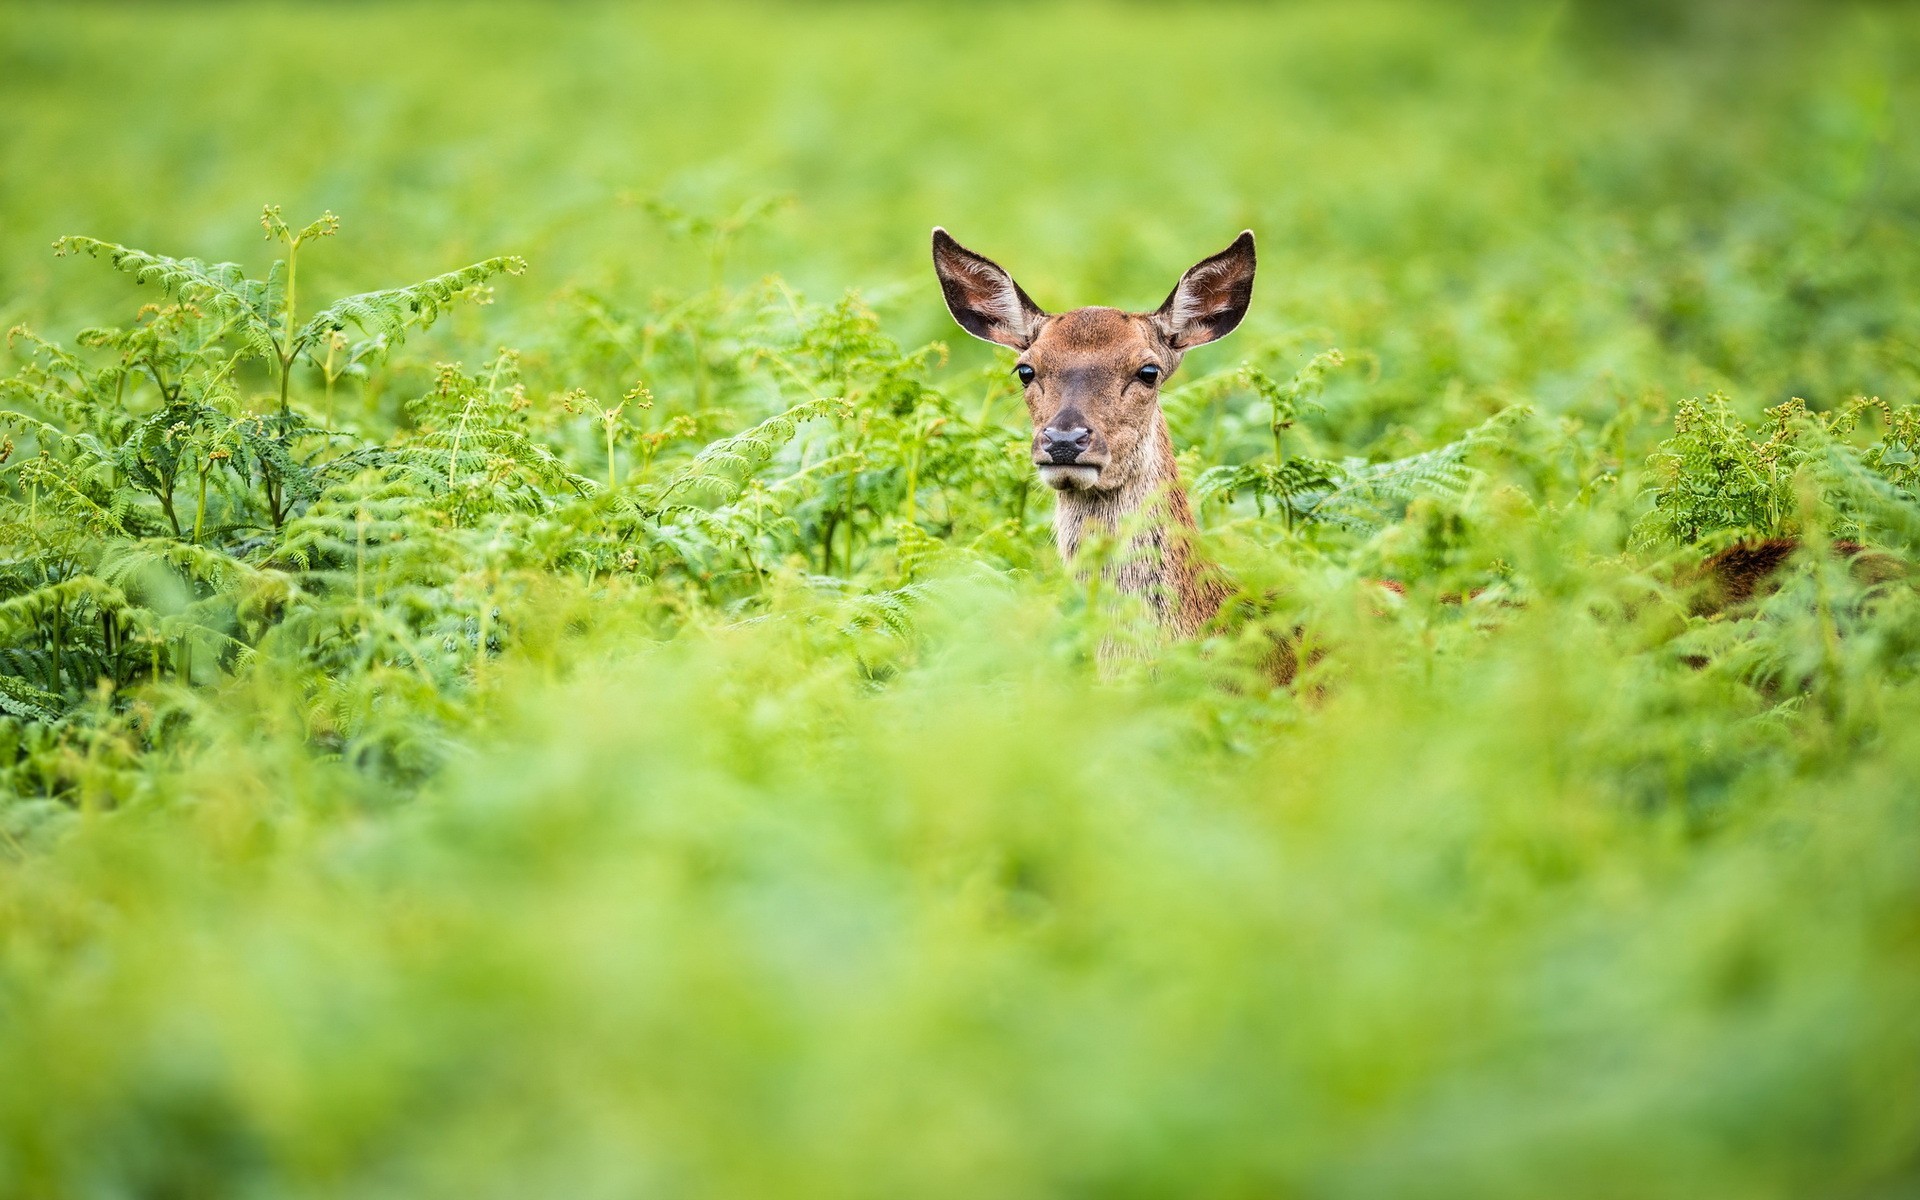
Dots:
{"x": 1157, "y": 562}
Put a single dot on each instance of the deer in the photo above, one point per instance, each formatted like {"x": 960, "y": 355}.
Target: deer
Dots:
{"x": 1092, "y": 379}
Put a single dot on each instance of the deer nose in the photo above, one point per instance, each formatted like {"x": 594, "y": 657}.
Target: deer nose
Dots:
{"x": 1065, "y": 445}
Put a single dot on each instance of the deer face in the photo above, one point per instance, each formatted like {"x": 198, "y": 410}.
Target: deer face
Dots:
{"x": 1092, "y": 376}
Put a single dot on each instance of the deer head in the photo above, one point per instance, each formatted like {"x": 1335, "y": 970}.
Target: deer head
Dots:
{"x": 1092, "y": 377}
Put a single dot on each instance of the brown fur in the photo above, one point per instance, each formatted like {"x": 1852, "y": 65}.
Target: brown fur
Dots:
{"x": 1742, "y": 572}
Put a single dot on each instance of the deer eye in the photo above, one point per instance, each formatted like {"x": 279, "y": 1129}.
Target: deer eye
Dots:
{"x": 1025, "y": 373}
{"x": 1148, "y": 374}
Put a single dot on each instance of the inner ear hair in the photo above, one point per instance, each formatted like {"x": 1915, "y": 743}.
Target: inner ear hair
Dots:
{"x": 982, "y": 297}
{"x": 1211, "y": 298}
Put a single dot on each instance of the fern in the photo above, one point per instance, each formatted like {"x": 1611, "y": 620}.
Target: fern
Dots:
{"x": 152, "y": 515}
{"x": 392, "y": 312}
{"x": 162, "y": 526}
{"x": 21, "y": 699}
{"x": 719, "y": 472}
{"x": 1715, "y": 480}
{"x": 1291, "y": 483}
{"x": 1712, "y": 477}
{"x": 1295, "y": 485}
{"x": 1370, "y": 496}
{"x": 223, "y": 287}
{"x": 1870, "y": 493}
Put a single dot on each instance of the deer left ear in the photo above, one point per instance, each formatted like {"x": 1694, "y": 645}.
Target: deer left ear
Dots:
{"x": 1210, "y": 298}
{"x": 982, "y": 297}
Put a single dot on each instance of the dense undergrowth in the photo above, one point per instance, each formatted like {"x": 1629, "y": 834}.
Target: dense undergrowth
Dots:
{"x": 614, "y": 722}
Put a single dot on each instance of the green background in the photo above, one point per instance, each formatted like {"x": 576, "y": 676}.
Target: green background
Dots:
{"x": 1583, "y": 896}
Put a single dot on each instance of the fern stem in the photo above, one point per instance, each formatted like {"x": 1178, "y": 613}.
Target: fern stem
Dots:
{"x": 167, "y": 394}
{"x": 287, "y": 346}
{"x": 1279, "y": 462}
{"x": 607, "y": 423}
{"x": 746, "y": 545}
{"x": 200, "y": 506}
{"x": 165, "y": 496}
{"x": 59, "y": 635}
{"x": 327, "y": 371}
{"x": 106, "y": 644}
{"x": 460, "y": 431}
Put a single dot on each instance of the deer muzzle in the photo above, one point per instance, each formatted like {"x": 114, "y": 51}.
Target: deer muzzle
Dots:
{"x": 1066, "y": 455}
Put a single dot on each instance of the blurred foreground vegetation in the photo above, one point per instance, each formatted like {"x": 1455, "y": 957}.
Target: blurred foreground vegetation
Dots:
{"x": 608, "y": 719}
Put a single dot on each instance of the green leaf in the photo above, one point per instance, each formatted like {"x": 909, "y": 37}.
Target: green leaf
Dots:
{"x": 393, "y": 312}
{"x": 221, "y": 287}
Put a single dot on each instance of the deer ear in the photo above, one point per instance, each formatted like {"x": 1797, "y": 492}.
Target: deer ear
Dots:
{"x": 982, "y": 296}
{"x": 1210, "y": 298}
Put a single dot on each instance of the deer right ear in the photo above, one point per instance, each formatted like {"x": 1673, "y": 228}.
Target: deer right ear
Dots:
{"x": 1211, "y": 297}
{"x": 982, "y": 296}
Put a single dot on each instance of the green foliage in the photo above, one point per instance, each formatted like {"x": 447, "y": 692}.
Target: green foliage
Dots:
{"x": 1354, "y": 495}
{"x": 636, "y": 738}
{"x": 1716, "y": 480}
{"x": 149, "y": 497}
{"x": 348, "y": 555}
{"x": 1294, "y": 483}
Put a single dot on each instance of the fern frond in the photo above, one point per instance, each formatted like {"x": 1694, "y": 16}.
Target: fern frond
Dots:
{"x": 126, "y": 564}
{"x": 221, "y": 287}
{"x": 1877, "y": 503}
{"x": 721, "y": 469}
{"x": 392, "y": 311}
{"x": 892, "y": 612}
{"x": 18, "y": 698}
{"x": 1372, "y": 495}
{"x": 25, "y": 612}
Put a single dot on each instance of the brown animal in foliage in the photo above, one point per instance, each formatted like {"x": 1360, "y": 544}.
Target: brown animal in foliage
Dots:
{"x": 1741, "y": 572}
{"x": 1092, "y": 379}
